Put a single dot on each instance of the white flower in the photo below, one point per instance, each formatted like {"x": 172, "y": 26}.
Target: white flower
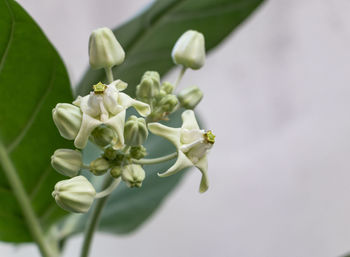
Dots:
{"x": 192, "y": 146}
{"x": 106, "y": 105}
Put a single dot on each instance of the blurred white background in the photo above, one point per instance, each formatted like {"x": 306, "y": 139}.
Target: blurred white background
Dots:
{"x": 277, "y": 95}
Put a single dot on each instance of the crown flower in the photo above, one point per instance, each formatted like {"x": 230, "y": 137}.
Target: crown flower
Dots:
{"x": 106, "y": 105}
{"x": 192, "y": 146}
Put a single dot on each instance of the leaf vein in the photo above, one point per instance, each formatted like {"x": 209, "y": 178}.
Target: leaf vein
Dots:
{"x": 12, "y": 32}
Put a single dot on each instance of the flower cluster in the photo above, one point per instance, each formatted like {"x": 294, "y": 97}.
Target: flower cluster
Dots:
{"x": 100, "y": 117}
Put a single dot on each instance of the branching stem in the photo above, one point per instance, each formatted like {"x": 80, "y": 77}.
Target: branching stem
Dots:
{"x": 109, "y": 189}
{"x": 155, "y": 160}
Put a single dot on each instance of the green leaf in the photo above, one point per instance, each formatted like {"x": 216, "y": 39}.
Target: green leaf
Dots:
{"x": 148, "y": 40}
{"x": 33, "y": 79}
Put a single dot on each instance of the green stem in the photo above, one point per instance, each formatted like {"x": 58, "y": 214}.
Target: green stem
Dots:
{"x": 109, "y": 189}
{"x": 94, "y": 219}
{"x": 181, "y": 74}
{"x": 109, "y": 74}
{"x": 24, "y": 203}
{"x": 155, "y": 160}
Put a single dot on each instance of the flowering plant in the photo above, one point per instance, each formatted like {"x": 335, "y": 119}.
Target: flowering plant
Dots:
{"x": 120, "y": 110}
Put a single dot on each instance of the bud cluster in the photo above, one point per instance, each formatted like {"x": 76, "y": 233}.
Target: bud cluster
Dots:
{"x": 101, "y": 118}
{"x": 158, "y": 96}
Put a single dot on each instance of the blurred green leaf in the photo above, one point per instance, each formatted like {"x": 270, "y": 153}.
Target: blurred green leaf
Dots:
{"x": 148, "y": 40}
{"x": 33, "y": 79}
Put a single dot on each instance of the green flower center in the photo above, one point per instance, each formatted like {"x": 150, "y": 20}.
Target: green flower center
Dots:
{"x": 99, "y": 88}
{"x": 209, "y": 137}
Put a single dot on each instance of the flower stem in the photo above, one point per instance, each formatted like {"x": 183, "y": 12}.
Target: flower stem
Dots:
{"x": 109, "y": 189}
{"x": 181, "y": 74}
{"x": 155, "y": 160}
{"x": 109, "y": 74}
{"x": 24, "y": 203}
{"x": 94, "y": 219}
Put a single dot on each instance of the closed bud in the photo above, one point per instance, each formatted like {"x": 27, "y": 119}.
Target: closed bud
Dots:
{"x": 67, "y": 119}
{"x": 116, "y": 172}
{"x": 168, "y": 103}
{"x": 133, "y": 175}
{"x": 104, "y": 49}
{"x": 190, "y": 97}
{"x": 74, "y": 195}
{"x": 102, "y": 135}
{"x": 110, "y": 153}
{"x": 138, "y": 152}
{"x": 99, "y": 166}
{"x": 67, "y": 162}
{"x": 189, "y": 50}
{"x": 135, "y": 131}
{"x": 149, "y": 86}
{"x": 167, "y": 87}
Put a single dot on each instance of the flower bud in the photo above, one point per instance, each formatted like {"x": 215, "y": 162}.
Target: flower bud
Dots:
{"x": 74, "y": 195}
{"x": 138, "y": 152}
{"x": 149, "y": 85}
{"x": 189, "y": 50}
{"x": 67, "y": 162}
{"x": 168, "y": 103}
{"x": 116, "y": 172}
{"x": 102, "y": 135}
{"x": 135, "y": 131}
{"x": 99, "y": 166}
{"x": 190, "y": 97}
{"x": 104, "y": 49}
{"x": 67, "y": 119}
{"x": 110, "y": 153}
{"x": 133, "y": 175}
{"x": 167, "y": 87}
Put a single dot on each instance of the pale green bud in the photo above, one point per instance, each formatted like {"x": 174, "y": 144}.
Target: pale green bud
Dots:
{"x": 102, "y": 135}
{"x": 168, "y": 103}
{"x": 189, "y": 50}
{"x": 110, "y": 153}
{"x": 99, "y": 166}
{"x": 167, "y": 87}
{"x": 67, "y": 119}
{"x": 116, "y": 172}
{"x": 133, "y": 175}
{"x": 135, "y": 131}
{"x": 67, "y": 162}
{"x": 104, "y": 49}
{"x": 190, "y": 97}
{"x": 138, "y": 152}
{"x": 74, "y": 195}
{"x": 149, "y": 85}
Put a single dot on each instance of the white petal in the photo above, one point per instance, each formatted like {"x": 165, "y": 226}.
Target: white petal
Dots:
{"x": 142, "y": 108}
{"x": 189, "y": 120}
{"x": 181, "y": 163}
{"x": 117, "y": 124}
{"x": 190, "y": 136}
{"x": 88, "y": 124}
{"x": 90, "y": 104}
{"x": 110, "y": 100}
{"x": 172, "y": 134}
{"x": 202, "y": 165}
{"x": 119, "y": 85}
{"x": 77, "y": 101}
